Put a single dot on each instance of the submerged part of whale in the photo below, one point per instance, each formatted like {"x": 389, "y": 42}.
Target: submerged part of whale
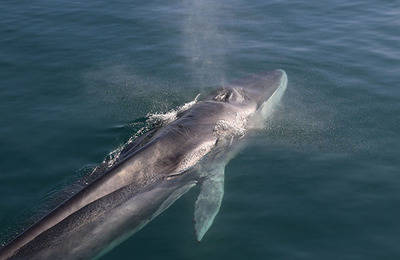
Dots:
{"x": 153, "y": 171}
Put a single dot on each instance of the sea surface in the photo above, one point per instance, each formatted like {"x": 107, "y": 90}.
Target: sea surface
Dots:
{"x": 321, "y": 181}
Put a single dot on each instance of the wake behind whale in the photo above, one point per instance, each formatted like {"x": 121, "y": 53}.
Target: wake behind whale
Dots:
{"x": 153, "y": 171}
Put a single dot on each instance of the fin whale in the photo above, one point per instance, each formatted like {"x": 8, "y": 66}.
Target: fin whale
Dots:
{"x": 153, "y": 172}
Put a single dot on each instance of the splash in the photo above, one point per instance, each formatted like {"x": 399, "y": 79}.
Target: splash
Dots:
{"x": 161, "y": 119}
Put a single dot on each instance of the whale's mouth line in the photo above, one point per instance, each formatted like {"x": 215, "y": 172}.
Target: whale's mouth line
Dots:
{"x": 277, "y": 94}
{"x": 284, "y": 80}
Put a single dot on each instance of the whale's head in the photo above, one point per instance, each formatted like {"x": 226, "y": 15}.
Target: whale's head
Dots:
{"x": 257, "y": 94}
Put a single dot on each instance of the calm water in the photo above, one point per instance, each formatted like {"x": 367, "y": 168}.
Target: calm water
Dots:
{"x": 77, "y": 79}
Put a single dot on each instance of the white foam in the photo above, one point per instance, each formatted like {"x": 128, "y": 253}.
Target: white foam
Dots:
{"x": 168, "y": 117}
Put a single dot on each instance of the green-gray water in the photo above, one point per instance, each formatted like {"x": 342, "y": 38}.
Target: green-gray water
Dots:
{"x": 77, "y": 79}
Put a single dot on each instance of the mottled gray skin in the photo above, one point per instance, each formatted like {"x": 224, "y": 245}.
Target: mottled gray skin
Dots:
{"x": 151, "y": 174}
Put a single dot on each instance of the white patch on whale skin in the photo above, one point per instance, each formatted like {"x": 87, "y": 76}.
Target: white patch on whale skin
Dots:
{"x": 195, "y": 155}
{"x": 234, "y": 127}
{"x": 268, "y": 107}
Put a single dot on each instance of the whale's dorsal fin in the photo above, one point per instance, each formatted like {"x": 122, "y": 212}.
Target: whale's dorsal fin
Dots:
{"x": 209, "y": 201}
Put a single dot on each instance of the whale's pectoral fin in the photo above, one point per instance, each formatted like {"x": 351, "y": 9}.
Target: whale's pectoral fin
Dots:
{"x": 209, "y": 201}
